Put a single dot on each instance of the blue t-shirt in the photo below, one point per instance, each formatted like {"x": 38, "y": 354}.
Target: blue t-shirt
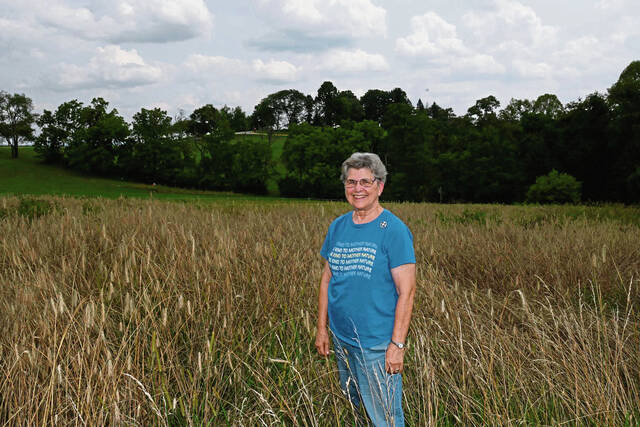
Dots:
{"x": 362, "y": 293}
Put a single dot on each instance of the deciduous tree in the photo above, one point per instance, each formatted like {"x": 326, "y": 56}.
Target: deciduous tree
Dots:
{"x": 484, "y": 110}
{"x": 94, "y": 143}
{"x": 374, "y": 103}
{"x": 326, "y": 102}
{"x": 16, "y": 119}
{"x": 152, "y": 154}
{"x": 56, "y": 131}
{"x": 549, "y": 105}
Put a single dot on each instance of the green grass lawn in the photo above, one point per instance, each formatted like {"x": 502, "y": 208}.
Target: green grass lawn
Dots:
{"x": 27, "y": 175}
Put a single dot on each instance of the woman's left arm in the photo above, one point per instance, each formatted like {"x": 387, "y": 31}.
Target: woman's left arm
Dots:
{"x": 404, "y": 277}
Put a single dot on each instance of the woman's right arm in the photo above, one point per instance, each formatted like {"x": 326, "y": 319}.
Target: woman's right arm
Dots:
{"x": 322, "y": 333}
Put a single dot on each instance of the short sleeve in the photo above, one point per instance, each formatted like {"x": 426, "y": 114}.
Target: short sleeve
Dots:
{"x": 400, "y": 246}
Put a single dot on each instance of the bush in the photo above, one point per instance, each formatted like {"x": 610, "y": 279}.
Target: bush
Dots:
{"x": 554, "y": 188}
{"x": 34, "y": 208}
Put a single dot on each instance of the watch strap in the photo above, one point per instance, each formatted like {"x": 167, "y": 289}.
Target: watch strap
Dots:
{"x": 400, "y": 345}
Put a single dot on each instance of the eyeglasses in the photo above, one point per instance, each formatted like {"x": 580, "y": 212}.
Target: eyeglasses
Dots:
{"x": 364, "y": 182}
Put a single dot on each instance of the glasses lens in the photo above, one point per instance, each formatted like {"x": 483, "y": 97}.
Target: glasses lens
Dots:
{"x": 364, "y": 182}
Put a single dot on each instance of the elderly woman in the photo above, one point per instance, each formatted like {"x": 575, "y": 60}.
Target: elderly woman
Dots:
{"x": 366, "y": 293}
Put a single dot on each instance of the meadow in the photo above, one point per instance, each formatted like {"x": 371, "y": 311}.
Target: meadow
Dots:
{"x": 143, "y": 311}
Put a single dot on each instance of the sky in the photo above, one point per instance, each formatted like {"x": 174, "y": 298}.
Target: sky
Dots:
{"x": 183, "y": 54}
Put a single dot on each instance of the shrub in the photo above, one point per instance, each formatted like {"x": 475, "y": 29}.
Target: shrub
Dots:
{"x": 34, "y": 208}
{"x": 555, "y": 187}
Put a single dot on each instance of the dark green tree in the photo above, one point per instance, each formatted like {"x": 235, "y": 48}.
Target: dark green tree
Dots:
{"x": 516, "y": 109}
{"x": 484, "y": 110}
{"x": 493, "y": 170}
{"x": 586, "y": 151}
{"x": 265, "y": 117}
{"x": 95, "y": 142}
{"x": 624, "y": 97}
{"x": 57, "y": 130}
{"x": 438, "y": 113}
{"x": 375, "y": 102}
{"x": 16, "y": 120}
{"x": 312, "y": 157}
{"x": 399, "y": 96}
{"x": 407, "y": 153}
{"x": 348, "y": 107}
{"x": 540, "y": 145}
{"x": 288, "y": 106}
{"x": 251, "y": 166}
{"x": 152, "y": 154}
{"x": 203, "y": 120}
{"x": 326, "y": 105}
{"x": 215, "y": 169}
{"x": 549, "y": 105}
{"x": 237, "y": 119}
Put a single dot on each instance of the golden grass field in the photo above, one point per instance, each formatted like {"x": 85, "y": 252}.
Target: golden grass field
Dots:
{"x": 147, "y": 312}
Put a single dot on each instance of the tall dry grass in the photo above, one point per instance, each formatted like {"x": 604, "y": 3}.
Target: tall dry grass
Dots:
{"x": 142, "y": 312}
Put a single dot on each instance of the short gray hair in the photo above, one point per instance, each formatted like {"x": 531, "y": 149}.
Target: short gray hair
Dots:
{"x": 370, "y": 161}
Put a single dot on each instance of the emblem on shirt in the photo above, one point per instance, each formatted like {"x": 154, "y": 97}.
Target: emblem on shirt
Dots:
{"x": 383, "y": 224}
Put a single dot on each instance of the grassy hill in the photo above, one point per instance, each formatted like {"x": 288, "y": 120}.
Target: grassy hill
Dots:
{"x": 27, "y": 175}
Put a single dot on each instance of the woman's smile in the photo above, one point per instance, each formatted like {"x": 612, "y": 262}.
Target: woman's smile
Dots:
{"x": 363, "y": 199}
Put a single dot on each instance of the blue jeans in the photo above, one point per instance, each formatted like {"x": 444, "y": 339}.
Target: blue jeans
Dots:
{"x": 363, "y": 380}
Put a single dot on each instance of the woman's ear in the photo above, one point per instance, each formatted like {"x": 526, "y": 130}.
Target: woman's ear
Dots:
{"x": 380, "y": 188}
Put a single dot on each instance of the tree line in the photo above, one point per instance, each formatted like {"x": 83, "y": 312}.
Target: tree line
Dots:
{"x": 529, "y": 150}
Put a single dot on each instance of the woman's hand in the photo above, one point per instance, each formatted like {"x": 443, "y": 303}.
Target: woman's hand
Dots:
{"x": 394, "y": 359}
{"x": 322, "y": 342}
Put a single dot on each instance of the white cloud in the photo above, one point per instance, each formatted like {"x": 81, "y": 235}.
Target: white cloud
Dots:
{"x": 581, "y": 51}
{"x": 610, "y": 4}
{"x": 356, "y": 18}
{"x": 627, "y": 28}
{"x": 14, "y": 29}
{"x": 509, "y": 20}
{"x": 275, "y": 71}
{"x": 431, "y": 35}
{"x": 150, "y": 21}
{"x": 16, "y": 36}
{"x": 219, "y": 67}
{"x": 306, "y": 25}
{"x": 529, "y": 69}
{"x": 436, "y": 41}
{"x": 112, "y": 66}
{"x": 479, "y": 63}
{"x": 216, "y": 64}
{"x": 352, "y": 61}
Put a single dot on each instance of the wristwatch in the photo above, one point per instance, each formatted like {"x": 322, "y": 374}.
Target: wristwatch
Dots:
{"x": 400, "y": 345}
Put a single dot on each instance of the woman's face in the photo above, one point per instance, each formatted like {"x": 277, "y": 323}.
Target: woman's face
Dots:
{"x": 359, "y": 197}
